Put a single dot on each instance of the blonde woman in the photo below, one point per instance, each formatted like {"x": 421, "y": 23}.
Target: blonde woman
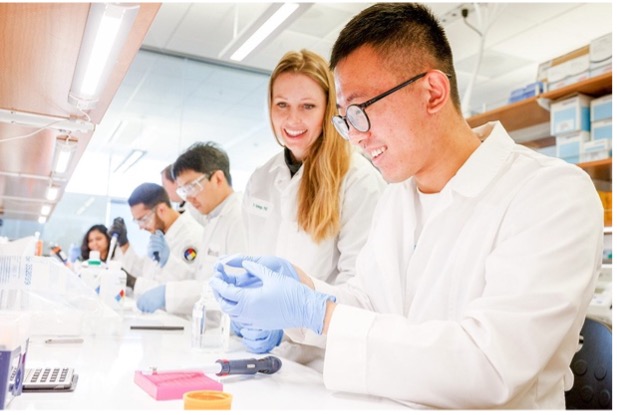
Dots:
{"x": 312, "y": 203}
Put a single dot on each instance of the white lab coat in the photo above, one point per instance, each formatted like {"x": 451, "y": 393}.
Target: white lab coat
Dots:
{"x": 485, "y": 310}
{"x": 183, "y": 236}
{"x": 270, "y": 211}
{"x": 223, "y": 234}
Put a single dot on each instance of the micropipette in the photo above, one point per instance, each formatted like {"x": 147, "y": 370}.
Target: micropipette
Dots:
{"x": 224, "y": 367}
{"x": 112, "y": 245}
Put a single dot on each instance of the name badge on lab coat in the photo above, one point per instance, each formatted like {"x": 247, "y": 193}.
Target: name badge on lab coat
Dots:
{"x": 259, "y": 207}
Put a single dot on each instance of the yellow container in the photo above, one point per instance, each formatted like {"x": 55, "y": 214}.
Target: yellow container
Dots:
{"x": 207, "y": 399}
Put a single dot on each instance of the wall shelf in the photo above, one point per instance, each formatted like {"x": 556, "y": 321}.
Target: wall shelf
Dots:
{"x": 528, "y": 112}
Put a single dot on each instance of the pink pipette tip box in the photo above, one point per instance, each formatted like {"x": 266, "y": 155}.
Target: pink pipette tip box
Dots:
{"x": 172, "y": 385}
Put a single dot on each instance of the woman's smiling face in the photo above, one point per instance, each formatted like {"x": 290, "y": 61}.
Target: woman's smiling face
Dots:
{"x": 297, "y": 112}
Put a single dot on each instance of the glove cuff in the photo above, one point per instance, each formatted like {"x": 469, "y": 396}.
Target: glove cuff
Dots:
{"x": 316, "y": 310}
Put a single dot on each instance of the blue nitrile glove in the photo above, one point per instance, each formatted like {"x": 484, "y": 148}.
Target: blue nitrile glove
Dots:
{"x": 257, "y": 340}
{"x": 260, "y": 341}
{"x": 279, "y": 303}
{"x": 152, "y": 300}
{"x": 235, "y": 328}
{"x": 276, "y": 264}
{"x": 158, "y": 250}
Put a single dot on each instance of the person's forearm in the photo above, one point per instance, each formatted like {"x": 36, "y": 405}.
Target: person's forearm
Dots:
{"x": 330, "y": 306}
{"x": 305, "y": 279}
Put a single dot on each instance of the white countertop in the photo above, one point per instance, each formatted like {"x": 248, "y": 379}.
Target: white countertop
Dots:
{"x": 106, "y": 364}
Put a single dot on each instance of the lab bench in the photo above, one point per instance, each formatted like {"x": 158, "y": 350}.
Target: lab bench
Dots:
{"x": 106, "y": 365}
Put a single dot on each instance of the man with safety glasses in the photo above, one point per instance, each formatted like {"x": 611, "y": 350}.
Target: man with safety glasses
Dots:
{"x": 202, "y": 178}
{"x": 482, "y": 256}
{"x": 172, "y": 250}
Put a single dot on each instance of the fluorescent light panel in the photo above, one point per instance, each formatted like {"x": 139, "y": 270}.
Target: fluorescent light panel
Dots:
{"x": 52, "y": 193}
{"x": 264, "y": 31}
{"x": 45, "y": 210}
{"x": 65, "y": 148}
{"x": 107, "y": 29}
{"x": 101, "y": 50}
{"x": 42, "y": 219}
{"x": 129, "y": 161}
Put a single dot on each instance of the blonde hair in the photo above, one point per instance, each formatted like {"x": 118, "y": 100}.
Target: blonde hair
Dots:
{"x": 328, "y": 159}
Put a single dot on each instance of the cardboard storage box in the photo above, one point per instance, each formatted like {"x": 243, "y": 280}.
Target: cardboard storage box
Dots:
{"x": 596, "y": 150}
{"x": 570, "y": 115}
{"x": 602, "y": 129}
{"x": 601, "y": 51}
{"x": 602, "y": 108}
{"x": 569, "y": 146}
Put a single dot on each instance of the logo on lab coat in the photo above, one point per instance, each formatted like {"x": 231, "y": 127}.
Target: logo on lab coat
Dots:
{"x": 190, "y": 254}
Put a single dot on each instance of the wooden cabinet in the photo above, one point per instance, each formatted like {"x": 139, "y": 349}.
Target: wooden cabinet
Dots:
{"x": 530, "y": 112}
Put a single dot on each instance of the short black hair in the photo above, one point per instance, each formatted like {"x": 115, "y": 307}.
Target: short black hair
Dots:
{"x": 150, "y": 194}
{"x": 167, "y": 172}
{"x": 406, "y": 33}
{"x": 204, "y": 158}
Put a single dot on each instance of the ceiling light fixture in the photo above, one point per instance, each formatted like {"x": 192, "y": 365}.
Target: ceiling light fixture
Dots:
{"x": 107, "y": 29}
{"x": 45, "y": 210}
{"x": 45, "y": 121}
{"x": 129, "y": 161}
{"x": 65, "y": 148}
{"x": 52, "y": 193}
{"x": 42, "y": 219}
{"x": 273, "y": 20}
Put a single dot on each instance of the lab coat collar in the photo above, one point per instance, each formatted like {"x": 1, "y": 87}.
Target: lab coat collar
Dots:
{"x": 283, "y": 175}
{"x": 222, "y": 207}
{"x": 483, "y": 165}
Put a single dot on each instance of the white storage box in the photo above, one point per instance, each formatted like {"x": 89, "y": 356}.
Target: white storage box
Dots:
{"x": 600, "y": 70}
{"x": 602, "y": 108}
{"x": 601, "y": 51}
{"x": 570, "y": 115}
{"x": 557, "y": 76}
{"x": 596, "y": 150}
{"x": 602, "y": 129}
{"x": 569, "y": 146}
{"x": 578, "y": 69}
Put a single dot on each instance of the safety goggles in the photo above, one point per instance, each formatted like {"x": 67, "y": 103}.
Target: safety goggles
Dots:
{"x": 357, "y": 117}
{"x": 193, "y": 188}
{"x": 144, "y": 220}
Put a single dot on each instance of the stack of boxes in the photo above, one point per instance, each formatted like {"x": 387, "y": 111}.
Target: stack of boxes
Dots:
{"x": 581, "y": 124}
{"x": 601, "y": 55}
{"x": 587, "y": 62}
{"x": 601, "y": 130}
{"x": 571, "y": 125}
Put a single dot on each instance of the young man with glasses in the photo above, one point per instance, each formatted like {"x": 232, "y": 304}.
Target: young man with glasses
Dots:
{"x": 172, "y": 250}
{"x": 202, "y": 177}
{"x": 168, "y": 182}
{"x": 472, "y": 287}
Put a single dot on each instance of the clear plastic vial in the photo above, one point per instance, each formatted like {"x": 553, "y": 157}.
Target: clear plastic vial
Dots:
{"x": 210, "y": 325}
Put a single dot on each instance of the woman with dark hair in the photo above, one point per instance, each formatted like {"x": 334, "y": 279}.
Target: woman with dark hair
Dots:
{"x": 96, "y": 239}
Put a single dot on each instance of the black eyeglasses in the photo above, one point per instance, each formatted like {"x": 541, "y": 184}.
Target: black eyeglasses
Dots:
{"x": 356, "y": 115}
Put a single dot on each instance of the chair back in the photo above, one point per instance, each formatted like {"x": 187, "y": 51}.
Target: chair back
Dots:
{"x": 592, "y": 368}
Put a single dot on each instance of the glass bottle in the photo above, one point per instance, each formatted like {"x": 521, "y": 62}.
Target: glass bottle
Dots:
{"x": 210, "y": 325}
